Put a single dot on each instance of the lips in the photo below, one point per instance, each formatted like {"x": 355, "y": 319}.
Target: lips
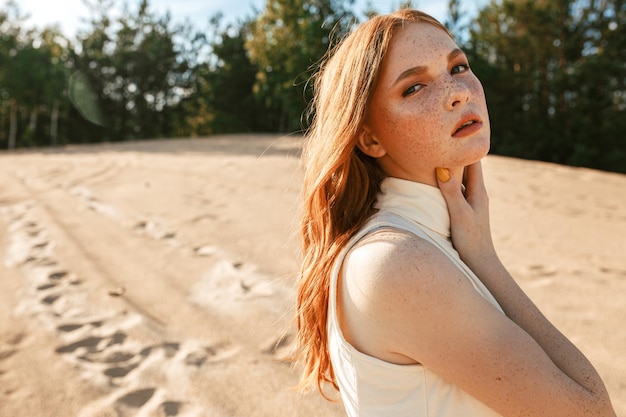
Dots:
{"x": 468, "y": 125}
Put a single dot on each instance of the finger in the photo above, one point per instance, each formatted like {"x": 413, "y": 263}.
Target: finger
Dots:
{"x": 451, "y": 189}
{"x": 474, "y": 175}
{"x": 474, "y": 182}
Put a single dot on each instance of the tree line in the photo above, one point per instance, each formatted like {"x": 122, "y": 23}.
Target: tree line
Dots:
{"x": 554, "y": 72}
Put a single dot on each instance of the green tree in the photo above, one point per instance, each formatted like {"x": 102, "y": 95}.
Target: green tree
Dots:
{"x": 55, "y": 47}
{"x": 551, "y": 78}
{"x": 597, "y": 87}
{"x": 150, "y": 79}
{"x": 136, "y": 71}
{"x": 454, "y": 19}
{"x": 11, "y": 41}
{"x": 32, "y": 80}
{"x": 225, "y": 98}
{"x": 288, "y": 37}
{"x": 93, "y": 74}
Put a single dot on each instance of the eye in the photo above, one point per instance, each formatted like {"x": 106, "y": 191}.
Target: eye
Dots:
{"x": 460, "y": 69}
{"x": 412, "y": 90}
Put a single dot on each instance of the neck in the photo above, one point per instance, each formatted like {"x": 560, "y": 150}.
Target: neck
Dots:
{"x": 429, "y": 178}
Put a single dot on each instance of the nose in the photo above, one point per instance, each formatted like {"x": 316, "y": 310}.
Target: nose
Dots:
{"x": 457, "y": 94}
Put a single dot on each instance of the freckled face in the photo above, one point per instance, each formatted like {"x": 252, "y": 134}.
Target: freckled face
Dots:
{"x": 428, "y": 109}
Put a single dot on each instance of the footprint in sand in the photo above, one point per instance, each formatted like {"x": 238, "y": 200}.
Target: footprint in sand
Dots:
{"x": 281, "y": 348}
{"x": 125, "y": 405}
{"x": 100, "y": 342}
{"x": 154, "y": 230}
{"x": 229, "y": 282}
{"x": 146, "y": 227}
{"x": 124, "y": 370}
{"x": 205, "y": 251}
{"x": 58, "y": 292}
{"x": 541, "y": 275}
{"x": 615, "y": 271}
{"x": 171, "y": 408}
{"x": 50, "y": 299}
{"x": 118, "y": 361}
{"x": 6, "y": 353}
{"x": 542, "y": 270}
{"x": 93, "y": 344}
{"x": 8, "y": 348}
{"x": 148, "y": 401}
{"x": 136, "y": 399}
{"x": 68, "y": 328}
{"x": 45, "y": 287}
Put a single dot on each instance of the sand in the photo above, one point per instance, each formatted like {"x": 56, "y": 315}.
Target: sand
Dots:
{"x": 157, "y": 278}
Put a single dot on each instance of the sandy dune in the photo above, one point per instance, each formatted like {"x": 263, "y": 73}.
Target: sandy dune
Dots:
{"x": 156, "y": 278}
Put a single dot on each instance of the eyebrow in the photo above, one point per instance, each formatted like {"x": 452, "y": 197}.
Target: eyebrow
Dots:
{"x": 422, "y": 69}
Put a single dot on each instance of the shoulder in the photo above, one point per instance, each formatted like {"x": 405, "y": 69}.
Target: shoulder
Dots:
{"x": 391, "y": 279}
{"x": 397, "y": 260}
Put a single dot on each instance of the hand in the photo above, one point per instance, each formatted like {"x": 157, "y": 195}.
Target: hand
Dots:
{"x": 469, "y": 215}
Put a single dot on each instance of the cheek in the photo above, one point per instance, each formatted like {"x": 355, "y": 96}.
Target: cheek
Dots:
{"x": 414, "y": 134}
{"x": 426, "y": 123}
{"x": 414, "y": 119}
{"x": 421, "y": 114}
{"x": 477, "y": 91}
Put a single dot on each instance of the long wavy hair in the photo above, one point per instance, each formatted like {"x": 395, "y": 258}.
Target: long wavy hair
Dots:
{"x": 340, "y": 181}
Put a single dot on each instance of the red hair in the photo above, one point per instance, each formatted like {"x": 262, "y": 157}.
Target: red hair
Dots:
{"x": 340, "y": 182}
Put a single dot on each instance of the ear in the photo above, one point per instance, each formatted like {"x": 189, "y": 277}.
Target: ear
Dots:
{"x": 369, "y": 145}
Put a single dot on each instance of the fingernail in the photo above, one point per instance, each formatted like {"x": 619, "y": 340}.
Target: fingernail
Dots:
{"x": 443, "y": 174}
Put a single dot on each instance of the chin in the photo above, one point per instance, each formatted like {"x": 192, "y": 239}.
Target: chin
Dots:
{"x": 478, "y": 151}
{"x": 484, "y": 152}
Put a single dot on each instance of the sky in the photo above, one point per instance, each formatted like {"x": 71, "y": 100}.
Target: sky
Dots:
{"x": 69, "y": 14}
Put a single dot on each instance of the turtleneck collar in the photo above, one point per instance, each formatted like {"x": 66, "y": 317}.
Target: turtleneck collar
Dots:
{"x": 415, "y": 201}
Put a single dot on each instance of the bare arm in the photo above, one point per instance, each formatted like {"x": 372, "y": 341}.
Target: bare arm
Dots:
{"x": 472, "y": 238}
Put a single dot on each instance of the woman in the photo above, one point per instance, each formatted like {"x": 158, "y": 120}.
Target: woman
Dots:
{"x": 403, "y": 304}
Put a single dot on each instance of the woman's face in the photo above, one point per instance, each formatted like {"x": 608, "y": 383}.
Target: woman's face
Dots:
{"x": 428, "y": 109}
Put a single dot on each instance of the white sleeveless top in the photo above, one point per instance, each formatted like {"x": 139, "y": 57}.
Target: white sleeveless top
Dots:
{"x": 371, "y": 387}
